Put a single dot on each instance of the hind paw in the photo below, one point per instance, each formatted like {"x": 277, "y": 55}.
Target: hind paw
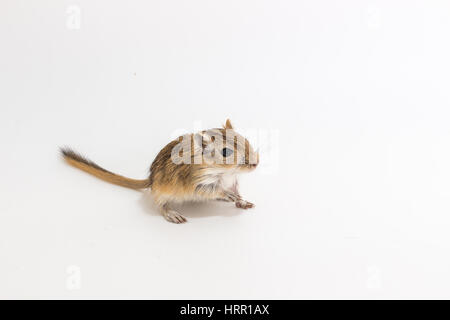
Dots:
{"x": 175, "y": 217}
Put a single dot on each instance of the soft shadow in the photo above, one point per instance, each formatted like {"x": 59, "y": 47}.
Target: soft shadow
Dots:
{"x": 147, "y": 203}
{"x": 193, "y": 209}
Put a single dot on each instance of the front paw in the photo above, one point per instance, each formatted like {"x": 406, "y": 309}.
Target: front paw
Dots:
{"x": 244, "y": 204}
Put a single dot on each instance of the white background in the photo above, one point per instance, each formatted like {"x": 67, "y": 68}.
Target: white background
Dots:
{"x": 359, "y": 206}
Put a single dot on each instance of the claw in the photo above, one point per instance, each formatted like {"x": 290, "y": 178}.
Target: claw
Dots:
{"x": 175, "y": 217}
{"x": 244, "y": 204}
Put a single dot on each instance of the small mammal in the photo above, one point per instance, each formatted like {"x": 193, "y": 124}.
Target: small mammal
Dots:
{"x": 194, "y": 167}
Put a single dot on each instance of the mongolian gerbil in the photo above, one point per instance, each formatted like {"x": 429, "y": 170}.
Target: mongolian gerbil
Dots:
{"x": 193, "y": 167}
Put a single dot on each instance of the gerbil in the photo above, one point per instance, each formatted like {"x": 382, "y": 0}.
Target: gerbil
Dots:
{"x": 194, "y": 167}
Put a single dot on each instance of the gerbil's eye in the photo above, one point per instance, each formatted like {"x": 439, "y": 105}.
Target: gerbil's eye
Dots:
{"x": 227, "y": 152}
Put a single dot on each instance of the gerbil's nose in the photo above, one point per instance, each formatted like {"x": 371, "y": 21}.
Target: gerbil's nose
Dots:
{"x": 257, "y": 159}
{"x": 255, "y": 164}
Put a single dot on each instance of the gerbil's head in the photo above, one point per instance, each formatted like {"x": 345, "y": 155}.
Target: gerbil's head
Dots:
{"x": 227, "y": 149}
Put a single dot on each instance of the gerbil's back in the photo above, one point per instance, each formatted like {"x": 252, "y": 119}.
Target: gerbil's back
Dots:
{"x": 164, "y": 171}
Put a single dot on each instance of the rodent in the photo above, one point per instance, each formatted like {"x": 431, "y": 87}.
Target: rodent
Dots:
{"x": 195, "y": 167}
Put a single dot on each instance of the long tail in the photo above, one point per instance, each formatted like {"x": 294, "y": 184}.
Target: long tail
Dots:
{"x": 88, "y": 166}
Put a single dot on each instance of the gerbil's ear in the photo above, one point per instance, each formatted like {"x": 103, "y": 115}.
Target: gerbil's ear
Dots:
{"x": 228, "y": 124}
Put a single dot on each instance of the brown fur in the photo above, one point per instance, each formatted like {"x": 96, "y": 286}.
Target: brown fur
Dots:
{"x": 92, "y": 168}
